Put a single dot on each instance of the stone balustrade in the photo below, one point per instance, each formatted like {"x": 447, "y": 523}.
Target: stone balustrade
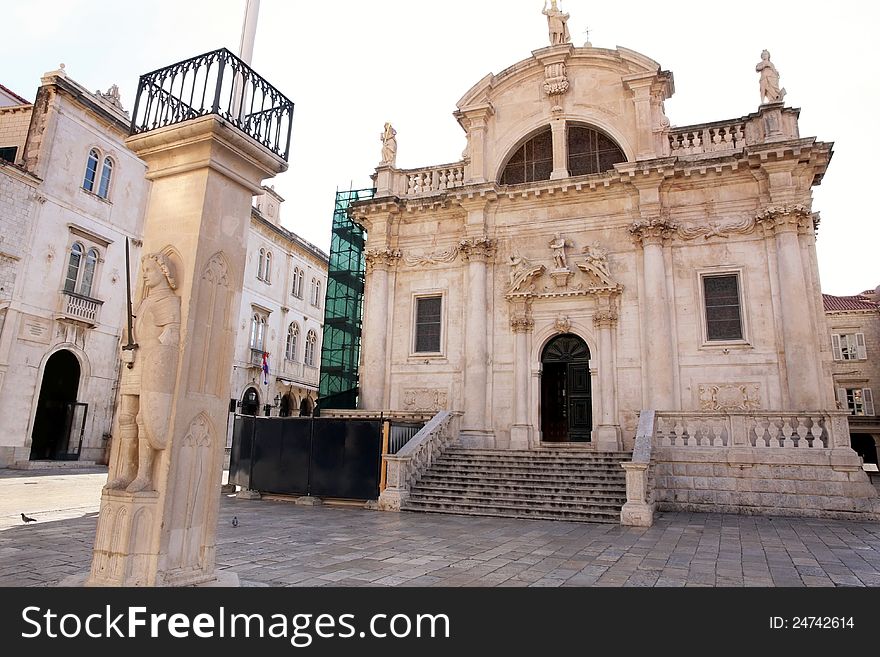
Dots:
{"x": 414, "y": 458}
{"x": 434, "y": 179}
{"x": 707, "y": 138}
{"x": 761, "y": 429}
{"x": 76, "y": 306}
{"x": 639, "y": 508}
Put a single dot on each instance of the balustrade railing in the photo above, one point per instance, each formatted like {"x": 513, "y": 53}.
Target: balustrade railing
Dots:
{"x": 218, "y": 83}
{"x": 710, "y": 138}
{"x": 81, "y": 307}
{"x": 434, "y": 179}
{"x": 760, "y": 429}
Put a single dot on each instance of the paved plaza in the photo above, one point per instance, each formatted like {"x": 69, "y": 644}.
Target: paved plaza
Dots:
{"x": 277, "y": 543}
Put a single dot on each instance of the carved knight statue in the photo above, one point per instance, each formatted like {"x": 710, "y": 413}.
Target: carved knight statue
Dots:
{"x": 557, "y": 24}
{"x": 147, "y": 387}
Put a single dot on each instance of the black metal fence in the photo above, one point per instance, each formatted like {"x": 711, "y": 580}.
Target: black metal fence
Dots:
{"x": 218, "y": 83}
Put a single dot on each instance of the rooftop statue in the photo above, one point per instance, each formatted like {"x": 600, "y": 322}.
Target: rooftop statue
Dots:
{"x": 557, "y": 23}
{"x": 769, "y": 83}
{"x": 389, "y": 145}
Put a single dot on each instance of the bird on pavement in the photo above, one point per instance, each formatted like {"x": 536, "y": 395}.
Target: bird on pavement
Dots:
{"x": 27, "y": 519}
{"x": 235, "y": 521}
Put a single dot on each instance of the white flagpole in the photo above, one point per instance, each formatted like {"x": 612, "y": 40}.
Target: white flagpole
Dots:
{"x": 246, "y": 50}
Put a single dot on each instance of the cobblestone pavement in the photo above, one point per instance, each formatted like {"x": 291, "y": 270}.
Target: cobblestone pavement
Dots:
{"x": 277, "y": 543}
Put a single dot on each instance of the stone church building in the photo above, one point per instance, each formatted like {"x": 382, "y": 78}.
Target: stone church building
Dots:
{"x": 586, "y": 261}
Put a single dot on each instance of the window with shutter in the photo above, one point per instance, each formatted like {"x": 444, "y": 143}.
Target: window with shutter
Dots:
{"x": 835, "y": 347}
{"x": 868, "y": 398}
{"x": 861, "y": 349}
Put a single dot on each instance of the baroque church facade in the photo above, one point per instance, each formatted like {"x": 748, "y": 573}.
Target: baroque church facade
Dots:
{"x": 586, "y": 262}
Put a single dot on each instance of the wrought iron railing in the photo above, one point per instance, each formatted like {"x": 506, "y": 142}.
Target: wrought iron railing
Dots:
{"x": 218, "y": 83}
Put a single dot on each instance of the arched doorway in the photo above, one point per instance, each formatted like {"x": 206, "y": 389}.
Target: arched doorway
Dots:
{"x": 305, "y": 407}
{"x": 566, "y": 395}
{"x": 286, "y": 406}
{"x": 52, "y": 432}
{"x": 250, "y": 402}
{"x": 864, "y": 446}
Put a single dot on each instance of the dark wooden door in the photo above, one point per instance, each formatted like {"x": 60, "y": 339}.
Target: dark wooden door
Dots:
{"x": 566, "y": 394}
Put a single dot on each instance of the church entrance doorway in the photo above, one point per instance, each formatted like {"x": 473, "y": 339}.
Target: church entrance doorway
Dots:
{"x": 566, "y": 395}
{"x": 59, "y": 419}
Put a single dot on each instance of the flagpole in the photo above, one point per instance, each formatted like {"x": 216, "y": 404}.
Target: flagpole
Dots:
{"x": 246, "y": 52}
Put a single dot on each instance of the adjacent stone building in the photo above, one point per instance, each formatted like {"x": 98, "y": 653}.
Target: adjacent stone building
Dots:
{"x": 854, "y": 326}
{"x": 587, "y": 263}
{"x": 71, "y": 193}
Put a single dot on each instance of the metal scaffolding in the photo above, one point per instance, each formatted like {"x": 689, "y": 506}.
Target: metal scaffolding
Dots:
{"x": 343, "y": 310}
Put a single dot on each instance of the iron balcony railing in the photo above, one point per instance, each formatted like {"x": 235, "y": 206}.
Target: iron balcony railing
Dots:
{"x": 218, "y": 83}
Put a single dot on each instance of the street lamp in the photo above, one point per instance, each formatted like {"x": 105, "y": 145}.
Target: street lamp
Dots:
{"x": 277, "y": 400}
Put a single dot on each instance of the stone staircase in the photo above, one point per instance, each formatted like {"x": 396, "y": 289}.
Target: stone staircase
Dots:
{"x": 572, "y": 484}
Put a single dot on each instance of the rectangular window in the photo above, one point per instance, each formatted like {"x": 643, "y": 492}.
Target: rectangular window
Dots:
{"x": 849, "y": 346}
{"x": 428, "y": 320}
{"x": 858, "y": 401}
{"x": 723, "y": 314}
{"x": 8, "y": 153}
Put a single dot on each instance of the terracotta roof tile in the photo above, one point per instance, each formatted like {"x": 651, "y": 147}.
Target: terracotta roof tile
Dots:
{"x": 838, "y": 304}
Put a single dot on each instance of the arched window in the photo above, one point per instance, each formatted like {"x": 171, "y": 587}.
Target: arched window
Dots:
{"x": 311, "y": 346}
{"x": 532, "y": 161}
{"x": 267, "y": 275}
{"x": 73, "y": 266}
{"x": 91, "y": 170}
{"x": 318, "y": 293}
{"x": 106, "y": 173}
{"x": 292, "y": 338}
{"x": 261, "y": 265}
{"x": 298, "y": 276}
{"x": 88, "y": 275}
{"x": 591, "y": 151}
{"x": 258, "y": 331}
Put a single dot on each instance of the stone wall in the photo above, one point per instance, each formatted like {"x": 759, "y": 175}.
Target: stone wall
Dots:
{"x": 14, "y": 123}
{"x": 784, "y": 482}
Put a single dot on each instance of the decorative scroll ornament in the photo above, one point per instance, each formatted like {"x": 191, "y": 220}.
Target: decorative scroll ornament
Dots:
{"x": 555, "y": 83}
{"x": 716, "y": 229}
{"x": 522, "y": 272}
{"x": 730, "y": 397}
{"x": 381, "y": 257}
{"x": 446, "y": 255}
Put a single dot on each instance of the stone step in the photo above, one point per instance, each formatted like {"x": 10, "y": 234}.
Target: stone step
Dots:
{"x": 534, "y": 480}
{"x": 54, "y": 465}
{"x": 443, "y": 486}
{"x": 526, "y": 473}
{"x": 523, "y": 463}
{"x": 517, "y": 498}
{"x": 539, "y": 452}
{"x": 505, "y": 511}
{"x": 542, "y": 457}
{"x": 514, "y": 468}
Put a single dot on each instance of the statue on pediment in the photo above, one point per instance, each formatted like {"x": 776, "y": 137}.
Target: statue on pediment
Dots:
{"x": 557, "y": 24}
{"x": 769, "y": 83}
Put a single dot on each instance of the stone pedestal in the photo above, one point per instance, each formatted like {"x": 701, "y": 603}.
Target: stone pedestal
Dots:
{"x": 161, "y": 530}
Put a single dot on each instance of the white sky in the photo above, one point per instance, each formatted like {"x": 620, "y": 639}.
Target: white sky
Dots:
{"x": 351, "y": 65}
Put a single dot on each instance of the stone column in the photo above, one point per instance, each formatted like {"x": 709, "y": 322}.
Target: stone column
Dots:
{"x": 607, "y": 434}
{"x": 784, "y": 223}
{"x": 375, "y": 335}
{"x": 476, "y": 251}
{"x": 656, "y": 324}
{"x": 560, "y": 149}
{"x": 159, "y": 529}
{"x": 520, "y": 433}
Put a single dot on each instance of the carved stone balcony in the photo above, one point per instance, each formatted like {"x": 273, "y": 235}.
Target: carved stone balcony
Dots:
{"x": 80, "y": 308}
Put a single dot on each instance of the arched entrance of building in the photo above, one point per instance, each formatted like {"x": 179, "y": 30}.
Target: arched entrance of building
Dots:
{"x": 250, "y": 402}
{"x": 864, "y": 446}
{"x": 286, "y": 406}
{"x": 52, "y": 431}
{"x": 305, "y": 407}
{"x": 566, "y": 394}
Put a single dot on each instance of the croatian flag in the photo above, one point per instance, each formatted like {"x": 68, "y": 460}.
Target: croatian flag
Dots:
{"x": 265, "y": 368}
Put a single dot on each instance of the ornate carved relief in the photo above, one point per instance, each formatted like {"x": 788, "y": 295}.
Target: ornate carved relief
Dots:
{"x": 213, "y": 310}
{"x": 730, "y": 397}
{"x": 779, "y": 218}
{"x": 555, "y": 81}
{"x": 648, "y": 231}
{"x": 477, "y": 248}
{"x": 383, "y": 258}
{"x": 562, "y": 324}
{"x": 522, "y": 272}
{"x": 604, "y": 318}
{"x": 446, "y": 255}
{"x": 425, "y": 399}
{"x": 521, "y": 323}
{"x": 596, "y": 266}
{"x": 743, "y": 226}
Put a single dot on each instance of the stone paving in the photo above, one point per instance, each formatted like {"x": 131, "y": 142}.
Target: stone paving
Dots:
{"x": 277, "y": 543}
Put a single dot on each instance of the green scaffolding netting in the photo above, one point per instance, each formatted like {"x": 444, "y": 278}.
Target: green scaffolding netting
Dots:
{"x": 340, "y": 351}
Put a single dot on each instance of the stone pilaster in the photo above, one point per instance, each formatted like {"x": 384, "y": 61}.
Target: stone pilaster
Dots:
{"x": 476, "y": 251}
{"x": 784, "y": 223}
{"x": 652, "y": 234}
{"x": 379, "y": 262}
{"x": 522, "y": 324}
{"x": 607, "y": 434}
{"x": 560, "y": 149}
{"x": 160, "y": 530}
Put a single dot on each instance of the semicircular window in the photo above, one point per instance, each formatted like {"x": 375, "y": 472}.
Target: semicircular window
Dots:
{"x": 591, "y": 151}
{"x": 532, "y": 161}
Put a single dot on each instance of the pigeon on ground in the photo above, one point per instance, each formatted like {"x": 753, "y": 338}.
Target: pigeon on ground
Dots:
{"x": 27, "y": 519}
{"x": 235, "y": 521}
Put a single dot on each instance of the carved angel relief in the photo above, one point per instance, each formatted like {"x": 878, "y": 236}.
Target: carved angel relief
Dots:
{"x": 524, "y": 273}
